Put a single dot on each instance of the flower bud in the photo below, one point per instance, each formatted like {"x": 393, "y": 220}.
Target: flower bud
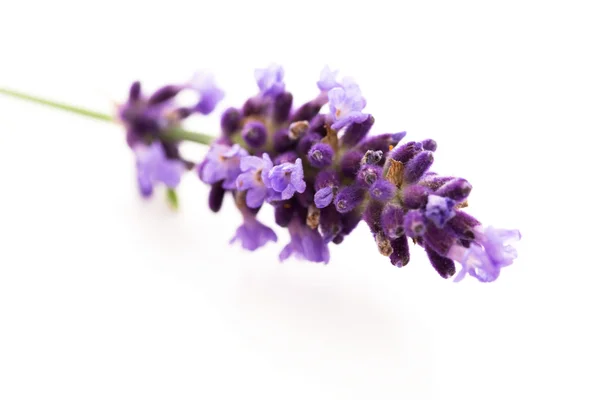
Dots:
{"x": 281, "y": 107}
{"x": 348, "y": 198}
{"x": 254, "y": 134}
{"x": 416, "y": 167}
{"x": 215, "y": 196}
{"x": 444, "y": 266}
{"x": 415, "y": 196}
{"x": 230, "y": 121}
{"x": 382, "y": 190}
{"x": 357, "y": 131}
{"x": 392, "y": 221}
{"x": 368, "y": 174}
{"x": 400, "y": 253}
{"x": 163, "y": 94}
{"x": 457, "y": 189}
{"x": 429, "y": 144}
{"x": 320, "y": 155}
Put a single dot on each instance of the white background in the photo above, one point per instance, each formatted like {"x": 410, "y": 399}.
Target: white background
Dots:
{"x": 105, "y": 296}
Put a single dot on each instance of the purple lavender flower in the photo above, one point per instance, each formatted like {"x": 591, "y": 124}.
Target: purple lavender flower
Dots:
{"x": 392, "y": 221}
{"x": 344, "y": 179}
{"x": 154, "y": 167}
{"x": 270, "y": 80}
{"x": 484, "y": 263}
{"x": 253, "y": 234}
{"x": 328, "y": 79}
{"x": 346, "y": 105}
{"x": 348, "y": 198}
{"x": 254, "y": 134}
{"x": 287, "y": 179}
{"x": 222, "y": 163}
{"x": 495, "y": 241}
{"x": 475, "y": 262}
{"x": 143, "y": 119}
{"x": 210, "y": 94}
{"x": 254, "y": 178}
{"x": 320, "y": 155}
{"x": 382, "y": 190}
{"x": 439, "y": 210}
{"x": 414, "y": 224}
{"x": 326, "y": 185}
{"x": 306, "y": 243}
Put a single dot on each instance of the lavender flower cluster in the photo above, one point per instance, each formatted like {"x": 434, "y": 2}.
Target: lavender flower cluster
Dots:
{"x": 322, "y": 173}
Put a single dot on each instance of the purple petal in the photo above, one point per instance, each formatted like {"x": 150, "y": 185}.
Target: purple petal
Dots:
{"x": 323, "y": 197}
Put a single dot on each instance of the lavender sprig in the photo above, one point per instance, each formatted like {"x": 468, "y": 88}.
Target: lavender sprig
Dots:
{"x": 322, "y": 173}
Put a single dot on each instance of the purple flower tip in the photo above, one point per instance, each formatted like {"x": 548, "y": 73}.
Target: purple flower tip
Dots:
{"x": 222, "y": 163}
{"x": 439, "y": 210}
{"x": 287, "y": 179}
{"x": 306, "y": 243}
{"x": 255, "y": 134}
{"x": 154, "y": 167}
{"x": 414, "y": 224}
{"x": 496, "y": 243}
{"x": 484, "y": 263}
{"x": 253, "y": 234}
{"x": 346, "y": 105}
{"x": 349, "y": 198}
{"x": 327, "y": 81}
{"x": 323, "y": 197}
{"x": 320, "y": 155}
{"x": 392, "y": 221}
{"x": 210, "y": 93}
{"x": 382, "y": 190}
{"x": 270, "y": 80}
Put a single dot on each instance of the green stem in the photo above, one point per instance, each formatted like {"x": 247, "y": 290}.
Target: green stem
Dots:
{"x": 173, "y": 134}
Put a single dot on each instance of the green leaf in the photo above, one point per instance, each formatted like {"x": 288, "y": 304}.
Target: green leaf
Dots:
{"x": 172, "y": 198}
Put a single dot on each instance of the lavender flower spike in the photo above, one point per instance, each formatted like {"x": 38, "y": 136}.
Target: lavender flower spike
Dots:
{"x": 254, "y": 178}
{"x": 287, "y": 179}
{"x": 346, "y": 106}
{"x": 154, "y": 167}
{"x": 252, "y": 234}
{"x": 210, "y": 93}
{"x": 270, "y": 80}
{"x": 222, "y": 163}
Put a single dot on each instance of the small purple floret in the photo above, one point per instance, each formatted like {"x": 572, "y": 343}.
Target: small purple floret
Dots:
{"x": 306, "y": 243}
{"x": 328, "y": 79}
{"x": 346, "y": 106}
{"x": 270, "y": 80}
{"x": 320, "y": 155}
{"x": 154, "y": 167}
{"x": 323, "y": 197}
{"x": 222, "y": 163}
{"x": 287, "y": 179}
{"x": 210, "y": 93}
{"x": 495, "y": 241}
{"x": 254, "y": 179}
{"x": 439, "y": 210}
{"x": 253, "y": 234}
{"x": 484, "y": 263}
